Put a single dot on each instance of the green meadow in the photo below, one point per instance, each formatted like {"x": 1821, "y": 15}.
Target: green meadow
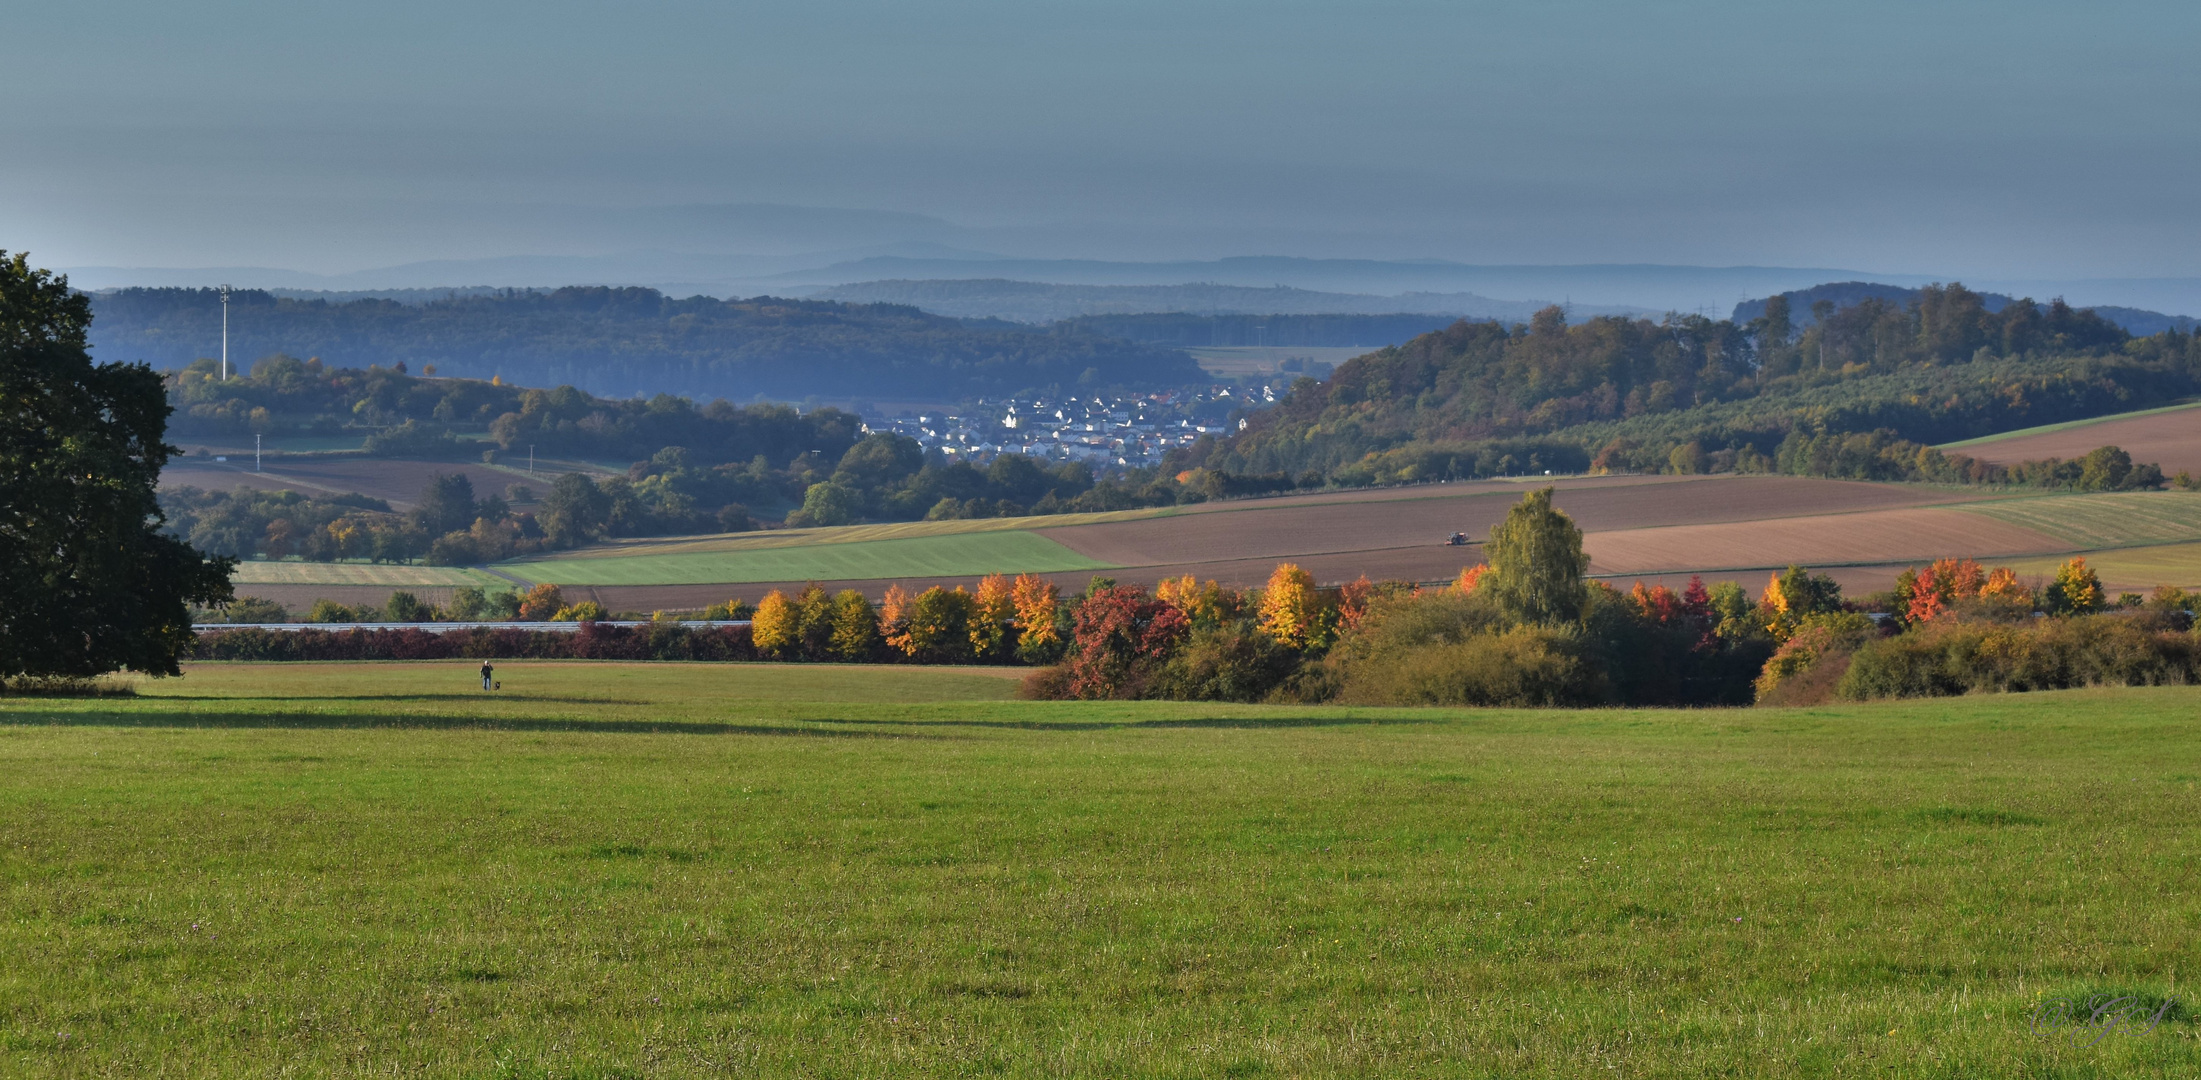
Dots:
{"x": 636, "y": 870}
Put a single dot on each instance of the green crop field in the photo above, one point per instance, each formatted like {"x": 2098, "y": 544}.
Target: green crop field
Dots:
{"x": 616, "y": 870}
{"x": 2113, "y": 519}
{"x": 253, "y": 572}
{"x": 965, "y": 554}
{"x": 2132, "y": 568}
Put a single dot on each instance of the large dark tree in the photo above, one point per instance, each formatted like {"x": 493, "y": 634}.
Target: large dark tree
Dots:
{"x": 90, "y": 585}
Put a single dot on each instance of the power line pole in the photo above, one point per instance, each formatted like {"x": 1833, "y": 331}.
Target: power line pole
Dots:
{"x": 255, "y": 452}
{"x": 225, "y": 333}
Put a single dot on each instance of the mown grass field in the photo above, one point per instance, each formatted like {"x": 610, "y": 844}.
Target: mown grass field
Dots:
{"x": 2106, "y": 520}
{"x": 970, "y": 554}
{"x": 2138, "y": 569}
{"x": 671, "y": 870}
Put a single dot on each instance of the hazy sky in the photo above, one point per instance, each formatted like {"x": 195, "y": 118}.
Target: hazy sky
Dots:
{"x": 1991, "y": 139}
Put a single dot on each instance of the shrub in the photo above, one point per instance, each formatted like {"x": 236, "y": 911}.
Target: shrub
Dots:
{"x": 1524, "y": 665}
{"x": 246, "y": 609}
{"x": 468, "y": 603}
{"x": 1808, "y": 666}
{"x": 405, "y": 607}
{"x": 728, "y": 611}
{"x": 1233, "y": 663}
{"x": 585, "y": 611}
{"x": 329, "y": 611}
{"x": 1953, "y": 657}
{"x": 1120, "y": 637}
{"x": 540, "y": 603}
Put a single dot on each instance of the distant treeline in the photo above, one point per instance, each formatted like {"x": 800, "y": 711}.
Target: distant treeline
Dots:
{"x": 1689, "y": 394}
{"x": 1835, "y": 296}
{"x": 622, "y": 341}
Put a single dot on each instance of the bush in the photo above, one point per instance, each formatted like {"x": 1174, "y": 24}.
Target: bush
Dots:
{"x": 592, "y": 642}
{"x": 246, "y": 609}
{"x": 1808, "y": 666}
{"x": 329, "y": 611}
{"x": 405, "y": 607}
{"x": 1225, "y": 664}
{"x": 1945, "y": 658}
{"x": 1525, "y": 665}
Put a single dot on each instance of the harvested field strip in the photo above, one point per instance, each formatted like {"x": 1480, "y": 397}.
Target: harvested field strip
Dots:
{"x": 1292, "y": 528}
{"x": 2115, "y": 519}
{"x": 966, "y": 555}
{"x": 313, "y": 573}
{"x": 2170, "y": 438}
{"x": 844, "y": 534}
{"x": 2068, "y": 425}
{"x": 1878, "y": 536}
{"x": 2135, "y": 569}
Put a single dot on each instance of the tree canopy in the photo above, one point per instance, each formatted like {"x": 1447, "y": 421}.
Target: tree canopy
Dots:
{"x": 93, "y": 585}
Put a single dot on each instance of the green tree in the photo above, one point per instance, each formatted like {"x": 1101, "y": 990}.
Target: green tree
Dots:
{"x": 830, "y": 503}
{"x": 92, "y": 583}
{"x": 1536, "y": 563}
{"x": 575, "y": 512}
{"x": 855, "y": 627}
{"x": 446, "y": 504}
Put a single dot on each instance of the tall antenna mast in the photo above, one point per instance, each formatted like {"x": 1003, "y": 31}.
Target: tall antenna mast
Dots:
{"x": 225, "y": 333}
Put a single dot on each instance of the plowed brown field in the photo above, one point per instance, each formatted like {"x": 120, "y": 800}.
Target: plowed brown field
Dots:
{"x": 2170, "y": 439}
{"x": 1307, "y": 527}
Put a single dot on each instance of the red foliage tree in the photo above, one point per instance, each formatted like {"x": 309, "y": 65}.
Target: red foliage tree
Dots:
{"x": 1119, "y": 636}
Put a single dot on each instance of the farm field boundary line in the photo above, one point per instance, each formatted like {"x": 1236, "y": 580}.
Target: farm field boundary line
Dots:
{"x": 2068, "y": 425}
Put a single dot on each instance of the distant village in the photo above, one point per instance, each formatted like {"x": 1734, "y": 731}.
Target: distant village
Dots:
{"x": 1129, "y": 430}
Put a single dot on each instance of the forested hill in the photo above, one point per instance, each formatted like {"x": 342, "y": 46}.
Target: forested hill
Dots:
{"x": 1688, "y": 393}
{"x": 1804, "y": 303}
{"x": 618, "y": 342}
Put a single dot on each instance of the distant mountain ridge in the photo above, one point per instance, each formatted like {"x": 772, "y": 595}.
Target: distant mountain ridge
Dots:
{"x": 1045, "y": 302}
{"x": 622, "y": 342}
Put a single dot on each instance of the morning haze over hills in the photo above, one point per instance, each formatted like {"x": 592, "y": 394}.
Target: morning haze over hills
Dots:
{"x": 1157, "y": 538}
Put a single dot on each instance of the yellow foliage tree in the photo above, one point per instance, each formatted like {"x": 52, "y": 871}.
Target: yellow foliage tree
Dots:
{"x": 992, "y": 611}
{"x": 1288, "y": 606}
{"x": 894, "y": 619}
{"x": 2076, "y": 590}
{"x": 773, "y": 629}
{"x": 1036, "y": 600}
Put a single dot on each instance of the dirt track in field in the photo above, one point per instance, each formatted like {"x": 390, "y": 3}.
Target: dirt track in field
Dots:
{"x": 398, "y": 482}
{"x": 1306, "y": 528}
{"x": 2171, "y": 439}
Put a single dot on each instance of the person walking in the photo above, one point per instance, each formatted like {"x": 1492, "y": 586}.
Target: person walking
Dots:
{"x": 485, "y": 673}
